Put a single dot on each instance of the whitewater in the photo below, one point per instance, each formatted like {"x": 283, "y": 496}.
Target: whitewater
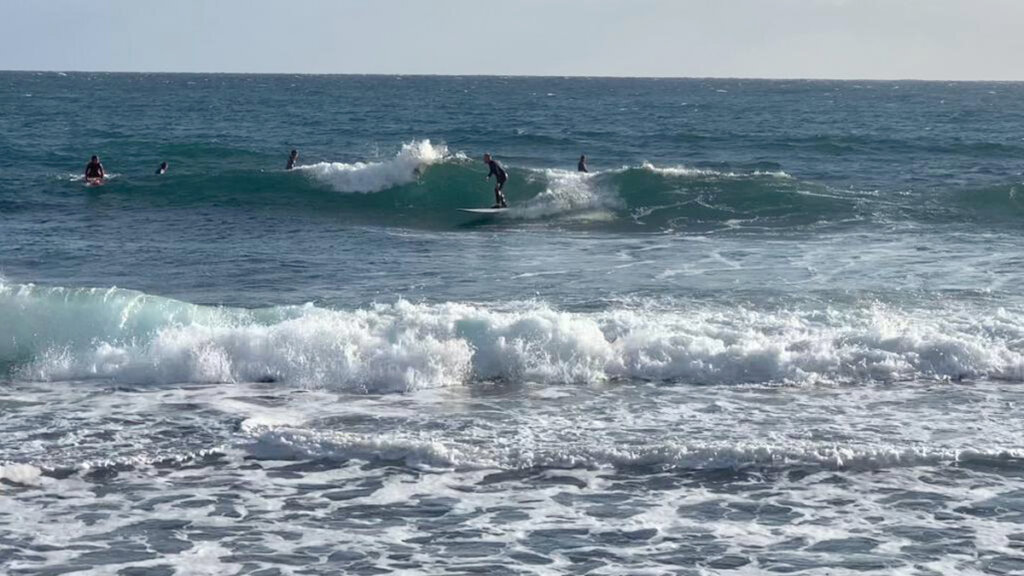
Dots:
{"x": 777, "y": 328}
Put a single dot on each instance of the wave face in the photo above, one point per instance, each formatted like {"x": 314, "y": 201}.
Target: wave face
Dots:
{"x": 125, "y": 336}
{"x": 425, "y": 183}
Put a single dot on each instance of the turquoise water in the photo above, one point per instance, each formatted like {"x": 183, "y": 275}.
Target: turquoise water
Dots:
{"x": 777, "y": 328}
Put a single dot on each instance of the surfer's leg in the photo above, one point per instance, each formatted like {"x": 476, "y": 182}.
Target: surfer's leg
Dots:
{"x": 499, "y": 195}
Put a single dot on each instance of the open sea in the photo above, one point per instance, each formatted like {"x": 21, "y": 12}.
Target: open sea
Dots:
{"x": 777, "y": 329}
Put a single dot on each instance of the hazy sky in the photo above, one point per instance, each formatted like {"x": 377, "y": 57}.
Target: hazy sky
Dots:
{"x": 935, "y": 39}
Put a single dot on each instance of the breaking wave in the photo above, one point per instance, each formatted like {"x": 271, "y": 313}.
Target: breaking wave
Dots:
{"x": 64, "y": 334}
{"x": 366, "y": 177}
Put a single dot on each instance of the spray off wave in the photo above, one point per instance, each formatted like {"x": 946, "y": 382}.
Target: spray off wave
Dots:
{"x": 70, "y": 334}
{"x": 367, "y": 177}
{"x": 572, "y": 194}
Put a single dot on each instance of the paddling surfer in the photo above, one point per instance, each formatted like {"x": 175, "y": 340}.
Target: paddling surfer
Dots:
{"x": 94, "y": 169}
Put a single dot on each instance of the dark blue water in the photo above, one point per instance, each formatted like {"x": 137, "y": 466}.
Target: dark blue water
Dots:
{"x": 777, "y": 327}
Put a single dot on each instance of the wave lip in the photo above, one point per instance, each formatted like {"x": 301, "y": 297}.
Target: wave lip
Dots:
{"x": 367, "y": 177}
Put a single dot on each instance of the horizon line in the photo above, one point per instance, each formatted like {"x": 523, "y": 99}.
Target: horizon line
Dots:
{"x": 478, "y": 75}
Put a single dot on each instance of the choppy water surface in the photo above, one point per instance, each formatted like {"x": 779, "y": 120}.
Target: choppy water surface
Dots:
{"x": 777, "y": 328}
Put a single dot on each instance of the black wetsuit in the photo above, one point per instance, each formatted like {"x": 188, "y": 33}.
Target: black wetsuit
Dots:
{"x": 499, "y": 173}
{"x": 502, "y": 177}
{"x": 94, "y": 170}
{"x": 582, "y": 166}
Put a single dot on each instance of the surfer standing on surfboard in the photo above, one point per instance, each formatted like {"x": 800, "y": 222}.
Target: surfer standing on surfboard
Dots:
{"x": 94, "y": 170}
{"x": 499, "y": 173}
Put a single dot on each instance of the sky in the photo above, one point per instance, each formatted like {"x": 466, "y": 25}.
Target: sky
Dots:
{"x": 861, "y": 39}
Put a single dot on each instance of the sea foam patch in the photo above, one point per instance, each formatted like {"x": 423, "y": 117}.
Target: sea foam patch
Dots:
{"x": 21, "y": 474}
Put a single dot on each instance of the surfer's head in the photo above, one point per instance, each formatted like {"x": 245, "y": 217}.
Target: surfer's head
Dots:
{"x": 94, "y": 158}
{"x": 487, "y": 157}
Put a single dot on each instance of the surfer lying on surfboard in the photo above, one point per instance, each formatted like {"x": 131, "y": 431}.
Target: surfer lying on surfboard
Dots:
{"x": 94, "y": 171}
{"x": 501, "y": 176}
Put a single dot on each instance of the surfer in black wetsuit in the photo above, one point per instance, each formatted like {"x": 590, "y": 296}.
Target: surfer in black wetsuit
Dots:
{"x": 94, "y": 170}
{"x": 162, "y": 169}
{"x": 582, "y": 166}
{"x": 501, "y": 176}
{"x": 292, "y": 160}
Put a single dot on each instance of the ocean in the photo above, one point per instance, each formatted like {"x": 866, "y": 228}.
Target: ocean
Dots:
{"x": 777, "y": 328}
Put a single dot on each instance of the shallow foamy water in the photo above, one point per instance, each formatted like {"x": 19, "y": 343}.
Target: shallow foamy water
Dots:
{"x": 905, "y": 477}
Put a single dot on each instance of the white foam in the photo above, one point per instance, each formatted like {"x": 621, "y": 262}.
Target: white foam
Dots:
{"x": 296, "y": 444}
{"x": 80, "y": 177}
{"x": 367, "y": 177}
{"x": 523, "y": 452}
{"x": 684, "y": 171}
{"x": 366, "y": 350}
{"x": 24, "y": 474}
{"x": 57, "y": 334}
{"x": 576, "y": 193}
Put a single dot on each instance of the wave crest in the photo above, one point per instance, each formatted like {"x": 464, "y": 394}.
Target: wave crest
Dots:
{"x": 366, "y": 177}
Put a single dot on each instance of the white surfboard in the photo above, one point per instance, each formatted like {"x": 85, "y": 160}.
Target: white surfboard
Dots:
{"x": 483, "y": 210}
